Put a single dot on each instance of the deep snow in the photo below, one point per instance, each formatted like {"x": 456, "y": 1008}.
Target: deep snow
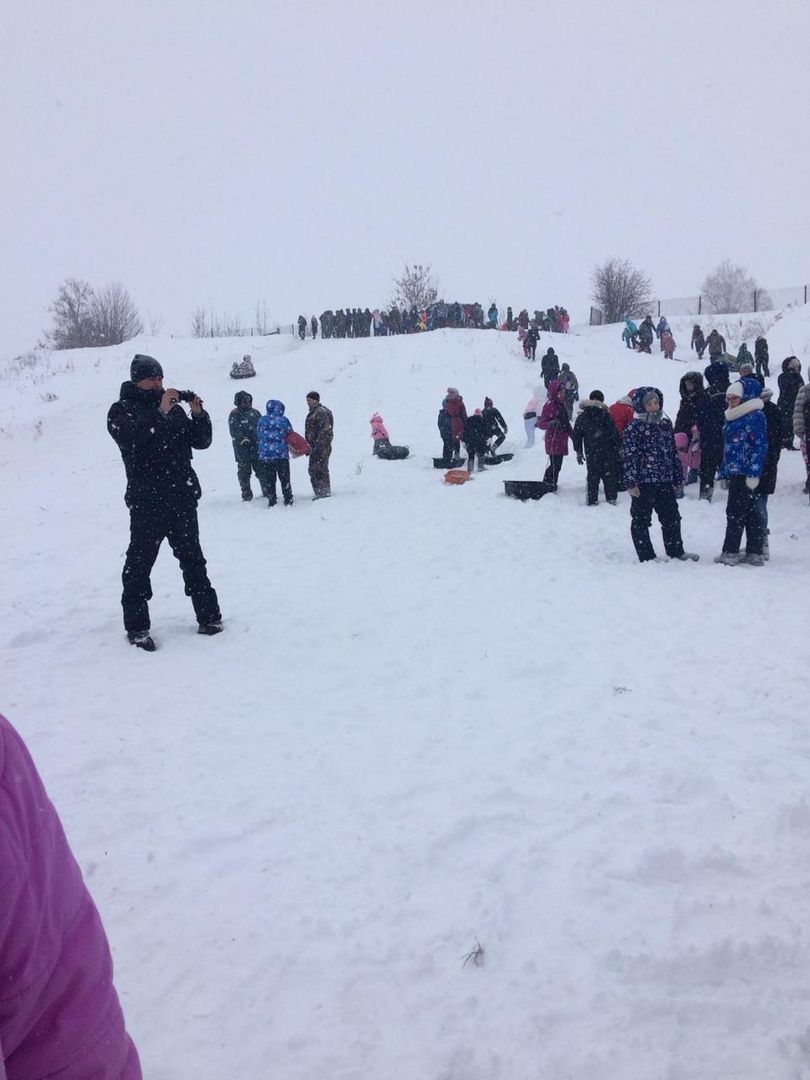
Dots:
{"x": 437, "y": 716}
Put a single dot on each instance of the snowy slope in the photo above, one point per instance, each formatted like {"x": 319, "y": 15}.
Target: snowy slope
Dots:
{"x": 436, "y": 716}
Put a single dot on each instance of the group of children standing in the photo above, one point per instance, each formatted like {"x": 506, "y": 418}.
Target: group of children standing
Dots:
{"x": 733, "y": 427}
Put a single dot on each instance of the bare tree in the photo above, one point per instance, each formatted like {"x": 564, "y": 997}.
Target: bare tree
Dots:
{"x": 72, "y": 312}
{"x": 730, "y": 288}
{"x": 416, "y": 287}
{"x": 619, "y": 289}
{"x": 262, "y": 318}
{"x": 115, "y": 317}
{"x": 199, "y": 323}
{"x": 155, "y": 322}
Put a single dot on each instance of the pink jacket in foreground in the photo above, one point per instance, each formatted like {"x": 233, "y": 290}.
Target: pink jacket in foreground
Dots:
{"x": 59, "y": 1013}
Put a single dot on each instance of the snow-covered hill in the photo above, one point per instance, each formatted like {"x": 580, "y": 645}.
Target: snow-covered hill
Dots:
{"x": 437, "y": 717}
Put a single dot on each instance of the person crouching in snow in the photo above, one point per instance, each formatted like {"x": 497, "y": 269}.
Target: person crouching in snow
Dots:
{"x": 554, "y": 421}
{"x": 495, "y": 425}
{"x": 652, "y": 476}
{"x": 475, "y": 440}
{"x": 595, "y": 433}
{"x": 745, "y": 447}
{"x": 274, "y": 454}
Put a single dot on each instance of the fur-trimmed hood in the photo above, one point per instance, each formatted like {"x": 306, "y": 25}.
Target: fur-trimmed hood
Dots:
{"x": 592, "y": 403}
{"x": 748, "y": 406}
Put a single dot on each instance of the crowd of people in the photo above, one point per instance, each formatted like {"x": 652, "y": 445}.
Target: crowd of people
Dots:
{"x": 629, "y": 445}
{"x": 360, "y": 322}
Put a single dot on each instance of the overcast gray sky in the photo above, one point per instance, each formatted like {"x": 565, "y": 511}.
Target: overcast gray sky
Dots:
{"x": 301, "y": 153}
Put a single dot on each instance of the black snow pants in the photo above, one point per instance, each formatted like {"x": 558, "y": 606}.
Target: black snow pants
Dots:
{"x": 277, "y": 468}
{"x": 660, "y": 498}
{"x": 150, "y": 525}
{"x": 743, "y": 515}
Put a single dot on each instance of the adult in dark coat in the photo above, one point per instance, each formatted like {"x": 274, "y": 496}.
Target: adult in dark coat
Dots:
{"x": 242, "y": 423}
{"x": 302, "y": 327}
{"x": 767, "y": 481}
{"x": 710, "y": 417}
{"x": 596, "y": 440}
{"x": 716, "y": 344}
{"x": 319, "y": 430}
{"x": 691, "y": 388}
{"x": 549, "y": 366}
{"x": 494, "y": 425}
{"x": 646, "y": 333}
{"x": 761, "y": 357}
{"x": 156, "y": 438}
{"x": 790, "y": 383}
{"x": 698, "y": 342}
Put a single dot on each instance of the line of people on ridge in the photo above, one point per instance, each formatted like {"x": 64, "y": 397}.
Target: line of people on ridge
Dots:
{"x": 357, "y": 322}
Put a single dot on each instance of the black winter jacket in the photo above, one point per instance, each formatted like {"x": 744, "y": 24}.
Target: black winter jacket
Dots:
{"x": 595, "y": 431}
{"x": 687, "y": 410}
{"x": 773, "y": 418}
{"x": 475, "y": 434}
{"x": 494, "y": 423}
{"x": 157, "y": 449}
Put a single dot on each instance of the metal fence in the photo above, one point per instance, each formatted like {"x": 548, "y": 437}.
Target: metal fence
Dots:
{"x": 759, "y": 300}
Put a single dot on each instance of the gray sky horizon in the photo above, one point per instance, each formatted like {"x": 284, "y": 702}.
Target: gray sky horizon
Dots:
{"x": 301, "y": 154}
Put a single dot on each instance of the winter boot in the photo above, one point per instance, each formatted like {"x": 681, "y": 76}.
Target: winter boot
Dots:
{"x": 754, "y": 560}
{"x": 247, "y": 496}
{"x": 730, "y": 558}
{"x": 209, "y": 629}
{"x": 687, "y": 556}
{"x": 142, "y": 639}
{"x": 766, "y": 551}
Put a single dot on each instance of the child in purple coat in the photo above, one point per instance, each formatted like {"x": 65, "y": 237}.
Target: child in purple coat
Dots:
{"x": 555, "y": 422}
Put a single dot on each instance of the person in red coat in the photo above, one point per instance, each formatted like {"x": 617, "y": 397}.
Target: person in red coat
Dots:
{"x": 621, "y": 411}
{"x": 554, "y": 421}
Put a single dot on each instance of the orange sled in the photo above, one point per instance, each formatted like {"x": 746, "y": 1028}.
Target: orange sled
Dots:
{"x": 456, "y": 476}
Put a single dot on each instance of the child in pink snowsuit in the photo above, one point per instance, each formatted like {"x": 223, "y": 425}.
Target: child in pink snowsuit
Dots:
{"x": 689, "y": 452}
{"x": 667, "y": 344}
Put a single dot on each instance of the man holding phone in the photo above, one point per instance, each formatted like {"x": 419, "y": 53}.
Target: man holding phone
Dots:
{"x": 156, "y": 437}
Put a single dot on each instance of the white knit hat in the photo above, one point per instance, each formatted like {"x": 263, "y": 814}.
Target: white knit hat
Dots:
{"x": 736, "y": 390}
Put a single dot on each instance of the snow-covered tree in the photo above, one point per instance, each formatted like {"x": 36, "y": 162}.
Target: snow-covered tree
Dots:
{"x": 416, "y": 287}
{"x": 84, "y": 317}
{"x": 619, "y": 289}
{"x": 730, "y": 288}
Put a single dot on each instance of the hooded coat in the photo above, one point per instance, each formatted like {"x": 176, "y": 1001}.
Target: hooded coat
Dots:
{"x": 157, "y": 448}
{"x": 595, "y": 432}
{"x": 745, "y": 436}
{"x": 59, "y": 1014}
{"x": 687, "y": 410}
{"x": 773, "y": 420}
{"x": 242, "y": 423}
{"x": 453, "y": 407}
{"x": 272, "y": 431}
{"x": 621, "y": 413}
{"x": 553, "y": 419}
{"x": 649, "y": 454}
{"x": 549, "y": 366}
{"x": 710, "y": 409}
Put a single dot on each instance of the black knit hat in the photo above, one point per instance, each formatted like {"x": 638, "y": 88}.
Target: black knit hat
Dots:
{"x": 144, "y": 367}
{"x": 314, "y": 395}
{"x": 597, "y": 395}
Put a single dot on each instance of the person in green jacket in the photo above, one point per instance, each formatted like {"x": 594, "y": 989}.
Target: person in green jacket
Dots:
{"x": 242, "y": 423}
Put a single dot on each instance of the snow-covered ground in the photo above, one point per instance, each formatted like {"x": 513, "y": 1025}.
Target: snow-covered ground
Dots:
{"x": 437, "y": 717}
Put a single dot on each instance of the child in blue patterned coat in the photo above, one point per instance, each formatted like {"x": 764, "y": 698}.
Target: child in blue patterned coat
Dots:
{"x": 745, "y": 449}
{"x": 274, "y": 455}
{"x": 652, "y": 475}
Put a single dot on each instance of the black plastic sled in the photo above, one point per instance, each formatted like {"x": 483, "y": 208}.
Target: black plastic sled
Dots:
{"x": 526, "y": 489}
{"x": 497, "y": 459}
{"x": 444, "y": 463}
{"x": 392, "y": 453}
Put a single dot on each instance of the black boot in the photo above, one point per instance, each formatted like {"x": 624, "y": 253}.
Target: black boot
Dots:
{"x": 142, "y": 640}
